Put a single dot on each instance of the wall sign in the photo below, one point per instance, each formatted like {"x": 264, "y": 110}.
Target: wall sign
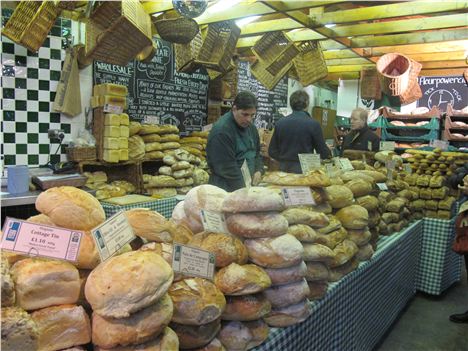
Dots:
{"x": 441, "y": 91}
{"x": 157, "y": 89}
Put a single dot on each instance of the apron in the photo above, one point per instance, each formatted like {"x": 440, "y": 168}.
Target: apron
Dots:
{"x": 246, "y": 150}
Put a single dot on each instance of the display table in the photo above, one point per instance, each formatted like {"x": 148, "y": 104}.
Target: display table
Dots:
{"x": 357, "y": 310}
{"x": 439, "y": 267}
{"x": 163, "y": 206}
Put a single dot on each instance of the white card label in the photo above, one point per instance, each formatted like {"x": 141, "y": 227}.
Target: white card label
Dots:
{"x": 389, "y": 174}
{"x": 309, "y": 162}
{"x": 207, "y": 128}
{"x": 35, "y": 239}
{"x": 441, "y": 144}
{"x": 382, "y": 186}
{"x": 193, "y": 261}
{"x": 407, "y": 168}
{"x": 330, "y": 170}
{"x": 345, "y": 164}
{"x": 297, "y": 196}
{"x": 112, "y": 235}
{"x": 151, "y": 120}
{"x": 214, "y": 222}
{"x": 390, "y": 164}
{"x": 246, "y": 174}
{"x": 113, "y": 109}
{"x": 387, "y": 146}
{"x": 369, "y": 145}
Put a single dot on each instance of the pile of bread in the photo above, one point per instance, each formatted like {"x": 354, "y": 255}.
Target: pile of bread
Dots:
{"x": 195, "y": 144}
{"x": 436, "y": 162}
{"x": 98, "y": 181}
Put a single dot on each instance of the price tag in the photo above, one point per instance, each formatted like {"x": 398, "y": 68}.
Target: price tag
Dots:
{"x": 297, "y": 196}
{"x": 330, "y": 170}
{"x": 387, "y": 146}
{"x": 113, "y": 109}
{"x": 246, "y": 174}
{"x": 389, "y": 174}
{"x": 35, "y": 239}
{"x": 382, "y": 186}
{"x": 364, "y": 158}
{"x": 112, "y": 235}
{"x": 309, "y": 162}
{"x": 390, "y": 164}
{"x": 345, "y": 164}
{"x": 151, "y": 120}
{"x": 193, "y": 261}
{"x": 407, "y": 168}
{"x": 369, "y": 145}
{"x": 214, "y": 222}
{"x": 207, "y": 128}
{"x": 440, "y": 144}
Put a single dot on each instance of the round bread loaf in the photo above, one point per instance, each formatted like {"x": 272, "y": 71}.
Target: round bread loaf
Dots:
{"x": 41, "y": 219}
{"x": 128, "y": 283}
{"x": 88, "y": 256}
{"x": 227, "y": 248}
{"x": 339, "y": 196}
{"x": 352, "y": 175}
{"x": 236, "y": 336}
{"x": 290, "y": 315}
{"x": 8, "y": 287}
{"x": 196, "y": 301}
{"x": 140, "y": 327}
{"x": 332, "y": 239}
{"x": 70, "y": 207}
{"x": 317, "y": 289}
{"x": 214, "y": 345}
{"x": 287, "y": 275}
{"x": 19, "y": 331}
{"x": 303, "y": 233}
{"x": 150, "y": 225}
{"x": 334, "y": 224}
{"x": 359, "y": 236}
{"x": 287, "y": 294}
{"x": 353, "y": 217}
{"x": 365, "y": 253}
{"x": 339, "y": 272}
{"x": 369, "y": 202}
{"x": 191, "y": 336}
{"x": 257, "y": 225}
{"x": 317, "y": 252}
{"x": 359, "y": 187}
{"x": 254, "y": 199}
{"x": 203, "y": 197}
{"x": 306, "y": 216}
{"x": 246, "y": 308}
{"x": 316, "y": 271}
{"x": 278, "y": 252}
{"x": 241, "y": 279}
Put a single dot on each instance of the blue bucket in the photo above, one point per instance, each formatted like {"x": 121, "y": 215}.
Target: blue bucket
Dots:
{"x": 18, "y": 179}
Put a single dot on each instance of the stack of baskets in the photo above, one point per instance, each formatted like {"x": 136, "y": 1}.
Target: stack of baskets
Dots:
{"x": 309, "y": 63}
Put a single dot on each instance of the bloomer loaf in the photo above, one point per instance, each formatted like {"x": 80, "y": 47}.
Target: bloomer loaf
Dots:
{"x": 315, "y": 179}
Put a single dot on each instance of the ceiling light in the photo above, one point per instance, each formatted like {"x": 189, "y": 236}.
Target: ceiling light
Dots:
{"x": 222, "y": 5}
{"x": 330, "y": 25}
{"x": 156, "y": 14}
{"x": 246, "y": 20}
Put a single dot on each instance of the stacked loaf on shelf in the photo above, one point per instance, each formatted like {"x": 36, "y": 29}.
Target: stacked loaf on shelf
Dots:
{"x": 98, "y": 181}
{"x": 195, "y": 144}
{"x": 115, "y": 140}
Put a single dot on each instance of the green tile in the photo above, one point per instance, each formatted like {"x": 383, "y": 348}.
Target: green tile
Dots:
{"x": 20, "y": 60}
{"x": 10, "y": 160}
{"x": 56, "y": 31}
{"x": 44, "y": 106}
{"x": 8, "y": 48}
{"x": 43, "y": 127}
{"x": 55, "y": 117}
{"x": 21, "y": 149}
{"x": 56, "y": 54}
{"x": 9, "y": 138}
{"x": 54, "y": 159}
{"x": 54, "y": 75}
{"x": 33, "y": 159}
{"x": 8, "y": 71}
{"x": 7, "y": 12}
{"x": 20, "y": 83}
{"x": 20, "y": 127}
{"x": 20, "y": 105}
{"x": 44, "y": 85}
{"x": 35, "y": 54}
{"x": 65, "y": 32}
{"x": 8, "y": 115}
{"x": 66, "y": 127}
{"x": 33, "y": 95}
{"x": 44, "y": 149}
{"x": 33, "y": 116}
{"x": 33, "y": 73}
{"x": 52, "y": 96}
{"x": 33, "y": 138}
{"x": 46, "y": 43}
{"x": 44, "y": 63}
{"x": 8, "y": 93}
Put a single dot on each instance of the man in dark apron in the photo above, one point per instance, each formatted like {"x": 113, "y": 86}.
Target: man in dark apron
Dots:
{"x": 233, "y": 140}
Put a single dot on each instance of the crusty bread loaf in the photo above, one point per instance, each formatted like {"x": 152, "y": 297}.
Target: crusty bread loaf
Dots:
{"x": 214, "y": 345}
{"x": 333, "y": 224}
{"x": 140, "y": 327}
{"x": 317, "y": 271}
{"x": 12, "y": 257}
{"x": 359, "y": 236}
{"x": 191, "y": 336}
{"x": 150, "y": 225}
{"x": 203, "y": 197}
{"x": 315, "y": 178}
{"x": 182, "y": 234}
{"x": 42, "y": 283}
{"x": 306, "y": 216}
{"x": 353, "y": 217}
{"x": 84, "y": 273}
{"x": 317, "y": 252}
{"x": 278, "y": 252}
{"x": 164, "y": 250}
{"x": 365, "y": 253}
{"x": 88, "y": 255}
{"x": 246, "y": 308}
{"x": 257, "y": 225}
{"x": 303, "y": 233}
{"x": 369, "y": 202}
{"x": 318, "y": 289}
{"x": 127, "y": 283}
{"x": 8, "y": 287}
{"x": 227, "y": 248}
{"x": 289, "y": 315}
{"x": 287, "y": 294}
{"x": 351, "y": 175}
{"x": 359, "y": 187}
{"x": 196, "y": 301}
{"x": 41, "y": 219}
{"x": 339, "y": 196}
{"x": 19, "y": 331}
{"x": 166, "y": 341}
{"x": 71, "y": 207}
{"x": 241, "y": 279}
{"x": 254, "y": 199}
{"x": 332, "y": 239}
{"x": 339, "y": 272}
{"x": 236, "y": 336}
{"x": 61, "y": 327}
{"x": 286, "y": 275}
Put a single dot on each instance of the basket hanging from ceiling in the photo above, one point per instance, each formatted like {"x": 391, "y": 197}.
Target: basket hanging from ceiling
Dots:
{"x": 179, "y": 30}
{"x": 413, "y": 92}
{"x": 309, "y": 63}
{"x": 394, "y": 71}
{"x": 185, "y": 54}
{"x": 369, "y": 84}
{"x": 269, "y": 80}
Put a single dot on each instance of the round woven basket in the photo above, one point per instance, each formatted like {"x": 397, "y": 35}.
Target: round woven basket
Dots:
{"x": 147, "y": 54}
{"x": 177, "y": 30}
{"x": 394, "y": 73}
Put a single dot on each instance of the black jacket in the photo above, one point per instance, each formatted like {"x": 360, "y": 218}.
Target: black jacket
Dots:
{"x": 359, "y": 140}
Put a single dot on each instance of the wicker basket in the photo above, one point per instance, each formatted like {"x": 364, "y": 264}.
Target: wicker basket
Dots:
{"x": 370, "y": 85}
{"x": 81, "y": 153}
{"x": 465, "y": 75}
{"x": 269, "y": 80}
{"x": 179, "y": 30}
{"x": 309, "y": 63}
{"x": 185, "y": 54}
{"x": 274, "y": 50}
{"x": 292, "y": 73}
{"x": 394, "y": 70}
{"x": 413, "y": 93}
{"x": 147, "y": 54}
{"x": 31, "y": 22}
{"x": 117, "y": 32}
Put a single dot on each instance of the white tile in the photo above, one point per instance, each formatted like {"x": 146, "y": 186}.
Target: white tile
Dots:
{"x": 43, "y": 138}
{"x": 21, "y": 116}
{"x": 21, "y": 72}
{"x": 32, "y": 62}
{"x": 8, "y": 82}
{"x": 44, "y": 117}
{"x": 54, "y": 125}
{"x": 21, "y": 138}
{"x": 33, "y": 106}
{"x": 9, "y": 126}
{"x": 44, "y": 74}
{"x": 53, "y": 85}
{"x": 33, "y": 149}
{"x": 21, "y": 94}
{"x": 32, "y": 84}
{"x": 9, "y": 149}
{"x": 55, "y": 42}
{"x": 7, "y": 40}
{"x": 44, "y": 52}
{"x": 8, "y": 59}
{"x": 55, "y": 65}
{"x": 44, "y": 95}
{"x": 33, "y": 128}
{"x": 22, "y": 160}
{"x": 8, "y": 104}
{"x": 20, "y": 50}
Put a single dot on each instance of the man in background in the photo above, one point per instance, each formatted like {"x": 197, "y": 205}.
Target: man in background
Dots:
{"x": 360, "y": 137}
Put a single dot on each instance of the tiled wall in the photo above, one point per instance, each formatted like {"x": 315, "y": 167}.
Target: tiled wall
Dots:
{"x": 29, "y": 82}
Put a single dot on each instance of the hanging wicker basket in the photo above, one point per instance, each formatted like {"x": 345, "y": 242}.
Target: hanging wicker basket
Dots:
{"x": 309, "y": 63}
{"x": 269, "y": 80}
{"x": 413, "y": 92}
{"x": 147, "y": 54}
{"x": 394, "y": 71}
{"x": 179, "y": 30}
{"x": 370, "y": 85}
{"x": 185, "y": 54}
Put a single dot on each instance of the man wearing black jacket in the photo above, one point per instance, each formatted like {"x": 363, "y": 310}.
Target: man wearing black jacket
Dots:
{"x": 360, "y": 137}
{"x": 297, "y": 133}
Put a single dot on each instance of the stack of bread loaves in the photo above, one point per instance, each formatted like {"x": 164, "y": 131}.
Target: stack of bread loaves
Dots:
{"x": 159, "y": 139}
{"x": 195, "y": 143}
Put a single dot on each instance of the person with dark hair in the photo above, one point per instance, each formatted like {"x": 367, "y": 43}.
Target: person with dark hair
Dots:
{"x": 297, "y": 133}
{"x": 233, "y": 140}
{"x": 360, "y": 135}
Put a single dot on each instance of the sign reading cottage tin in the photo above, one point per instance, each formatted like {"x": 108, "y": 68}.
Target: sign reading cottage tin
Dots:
{"x": 441, "y": 91}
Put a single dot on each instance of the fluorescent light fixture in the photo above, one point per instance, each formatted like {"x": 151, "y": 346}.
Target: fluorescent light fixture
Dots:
{"x": 349, "y": 37}
{"x": 330, "y": 25}
{"x": 295, "y": 30}
{"x": 222, "y": 5}
{"x": 246, "y": 20}
{"x": 156, "y": 14}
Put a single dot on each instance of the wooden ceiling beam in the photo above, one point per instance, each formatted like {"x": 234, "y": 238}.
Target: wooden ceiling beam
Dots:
{"x": 339, "y": 54}
{"x": 456, "y": 45}
{"x": 270, "y": 26}
{"x": 442, "y": 72}
{"x": 348, "y": 61}
{"x": 445, "y": 64}
{"x": 439, "y": 56}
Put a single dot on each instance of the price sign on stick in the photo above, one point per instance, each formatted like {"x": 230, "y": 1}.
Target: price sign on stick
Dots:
{"x": 246, "y": 174}
{"x": 382, "y": 186}
{"x": 345, "y": 164}
{"x": 387, "y": 146}
{"x": 309, "y": 162}
{"x": 192, "y": 261}
{"x": 297, "y": 196}
{"x": 214, "y": 222}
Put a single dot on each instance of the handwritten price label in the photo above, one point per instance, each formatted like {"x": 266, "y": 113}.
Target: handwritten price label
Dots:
{"x": 113, "y": 109}
{"x": 309, "y": 162}
{"x": 192, "y": 261}
{"x": 297, "y": 196}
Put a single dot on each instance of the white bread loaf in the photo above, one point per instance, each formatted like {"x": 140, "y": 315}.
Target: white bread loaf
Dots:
{"x": 290, "y": 315}
{"x": 257, "y": 225}
{"x": 286, "y": 275}
{"x": 317, "y": 271}
{"x": 227, "y": 248}
{"x": 182, "y": 234}
{"x": 254, "y": 199}
{"x": 140, "y": 327}
{"x": 246, "y": 308}
{"x": 150, "y": 225}
{"x": 239, "y": 336}
{"x": 353, "y": 217}
{"x": 196, "y": 301}
{"x": 287, "y": 294}
{"x": 318, "y": 289}
{"x": 84, "y": 273}
{"x": 214, "y": 345}
{"x": 12, "y": 257}
{"x": 191, "y": 336}
{"x": 241, "y": 279}
{"x": 128, "y": 283}
{"x": 61, "y": 327}
{"x": 203, "y": 197}
{"x": 178, "y": 213}
{"x": 71, "y": 207}
{"x": 42, "y": 283}
{"x": 8, "y": 286}
{"x": 306, "y": 216}
{"x": 41, "y": 219}
{"x": 166, "y": 341}
{"x": 165, "y": 250}
{"x": 19, "y": 331}
{"x": 339, "y": 196}
{"x": 317, "y": 252}
{"x": 365, "y": 253}
{"x": 315, "y": 179}
{"x": 278, "y": 252}
{"x": 303, "y": 233}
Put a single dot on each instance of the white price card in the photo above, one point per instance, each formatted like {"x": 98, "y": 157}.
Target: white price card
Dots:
{"x": 390, "y": 164}
{"x": 297, "y": 196}
{"x": 112, "y": 235}
{"x": 330, "y": 170}
{"x": 113, "y": 109}
{"x": 345, "y": 164}
{"x": 389, "y": 174}
{"x": 151, "y": 120}
{"x": 387, "y": 146}
{"x": 207, "y": 128}
{"x": 309, "y": 162}
{"x": 382, "y": 186}
{"x": 369, "y": 145}
{"x": 407, "y": 168}
{"x": 214, "y": 222}
{"x": 192, "y": 261}
{"x": 246, "y": 174}
{"x": 35, "y": 239}
{"x": 440, "y": 144}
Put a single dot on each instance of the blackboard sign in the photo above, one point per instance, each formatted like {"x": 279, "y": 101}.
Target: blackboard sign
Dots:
{"x": 156, "y": 89}
{"x": 269, "y": 101}
{"x": 441, "y": 91}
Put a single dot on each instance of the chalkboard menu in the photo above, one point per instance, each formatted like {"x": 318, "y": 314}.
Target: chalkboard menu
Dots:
{"x": 269, "y": 101}
{"x": 441, "y": 91}
{"x": 156, "y": 91}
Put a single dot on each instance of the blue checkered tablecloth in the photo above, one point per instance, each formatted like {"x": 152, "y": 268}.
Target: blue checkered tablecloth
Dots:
{"x": 163, "y": 206}
{"x": 357, "y": 310}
